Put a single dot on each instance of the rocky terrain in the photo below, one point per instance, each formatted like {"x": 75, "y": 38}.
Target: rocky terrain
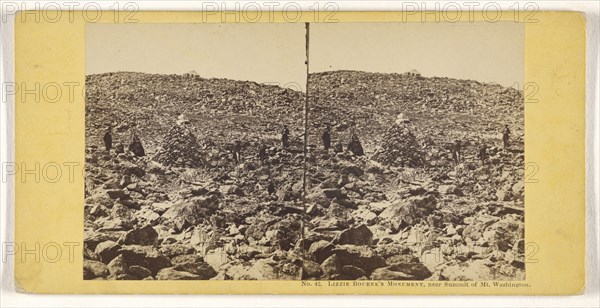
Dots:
{"x": 405, "y": 210}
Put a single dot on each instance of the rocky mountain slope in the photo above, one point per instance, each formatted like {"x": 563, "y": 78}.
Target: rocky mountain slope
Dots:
{"x": 169, "y": 216}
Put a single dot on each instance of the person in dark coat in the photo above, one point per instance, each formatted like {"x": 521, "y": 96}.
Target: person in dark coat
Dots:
{"x": 456, "y": 148}
{"x": 506, "y": 136}
{"x": 108, "y": 139}
{"x": 262, "y": 153}
{"x": 237, "y": 151}
{"x": 285, "y": 137}
{"x": 135, "y": 146}
{"x": 271, "y": 187}
{"x": 354, "y": 145}
{"x": 326, "y": 138}
{"x": 483, "y": 153}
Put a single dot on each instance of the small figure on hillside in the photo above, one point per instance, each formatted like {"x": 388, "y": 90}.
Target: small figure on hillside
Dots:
{"x": 262, "y": 153}
{"x": 108, "y": 139}
{"x": 506, "y": 136}
{"x": 120, "y": 148}
{"x": 271, "y": 187}
{"x": 354, "y": 145}
{"x": 285, "y": 137}
{"x": 326, "y": 138}
{"x": 135, "y": 146}
{"x": 456, "y": 147}
{"x": 483, "y": 153}
{"x": 237, "y": 151}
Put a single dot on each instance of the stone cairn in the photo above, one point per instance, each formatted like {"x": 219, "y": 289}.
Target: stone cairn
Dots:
{"x": 180, "y": 148}
{"x": 400, "y": 147}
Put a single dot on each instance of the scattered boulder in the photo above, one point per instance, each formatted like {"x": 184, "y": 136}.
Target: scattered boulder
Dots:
{"x": 94, "y": 269}
{"x": 360, "y": 235}
{"x": 140, "y": 236}
{"x": 107, "y": 250}
{"x": 172, "y": 273}
{"x": 402, "y": 271}
{"x": 320, "y": 250}
{"x": 193, "y": 212}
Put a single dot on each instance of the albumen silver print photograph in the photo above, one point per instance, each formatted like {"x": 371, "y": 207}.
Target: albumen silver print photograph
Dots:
{"x": 292, "y": 151}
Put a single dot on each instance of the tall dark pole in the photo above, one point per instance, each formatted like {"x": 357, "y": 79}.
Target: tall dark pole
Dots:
{"x": 305, "y": 149}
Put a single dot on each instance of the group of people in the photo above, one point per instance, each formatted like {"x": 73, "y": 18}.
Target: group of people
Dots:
{"x": 135, "y": 144}
{"x": 482, "y": 155}
{"x": 354, "y": 145}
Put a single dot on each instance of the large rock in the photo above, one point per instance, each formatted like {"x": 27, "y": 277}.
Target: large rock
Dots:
{"x": 194, "y": 211}
{"x": 450, "y": 190}
{"x": 332, "y": 266}
{"x": 100, "y": 197}
{"x": 140, "y": 236}
{"x": 282, "y": 234}
{"x": 505, "y": 233}
{"x": 471, "y": 271}
{"x": 117, "y": 194}
{"x": 183, "y": 259}
{"x": 107, "y": 250}
{"x": 92, "y": 238}
{"x": 347, "y": 168}
{"x": 320, "y": 250}
{"x": 265, "y": 269}
{"x": 145, "y": 256}
{"x": 173, "y": 250}
{"x": 402, "y": 271}
{"x": 319, "y": 198}
{"x": 231, "y": 190}
{"x": 139, "y": 272}
{"x": 364, "y": 215}
{"x": 117, "y": 266}
{"x": 172, "y": 273}
{"x": 357, "y": 256}
{"x": 353, "y": 272}
{"x": 518, "y": 189}
{"x": 360, "y": 235}
{"x": 477, "y": 225}
{"x": 94, "y": 269}
{"x": 332, "y": 193}
{"x": 311, "y": 269}
{"x": 408, "y": 212}
{"x": 147, "y": 216}
{"x": 202, "y": 269}
{"x": 129, "y": 168}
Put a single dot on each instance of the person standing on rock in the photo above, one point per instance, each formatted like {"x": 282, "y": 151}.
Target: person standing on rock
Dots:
{"x": 262, "y": 152}
{"x": 506, "y": 136}
{"x": 271, "y": 187}
{"x": 326, "y": 138}
{"x": 456, "y": 151}
{"x": 285, "y": 137}
{"x": 108, "y": 139}
{"x": 483, "y": 153}
{"x": 237, "y": 151}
